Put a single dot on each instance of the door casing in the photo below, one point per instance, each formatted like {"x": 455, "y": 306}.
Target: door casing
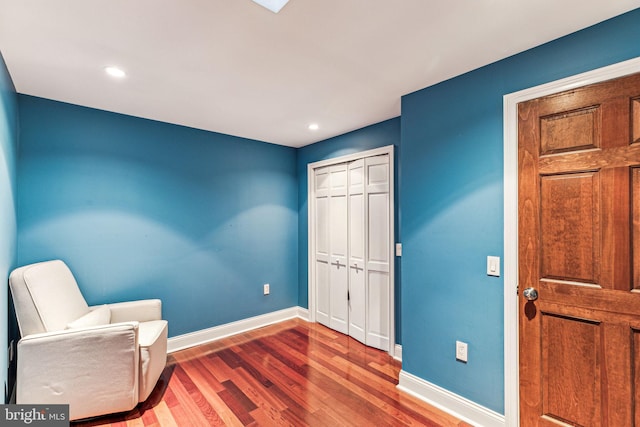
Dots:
{"x": 311, "y": 238}
{"x": 510, "y": 115}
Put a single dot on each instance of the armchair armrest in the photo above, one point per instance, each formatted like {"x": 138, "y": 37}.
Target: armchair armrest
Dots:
{"x": 94, "y": 370}
{"x": 138, "y": 311}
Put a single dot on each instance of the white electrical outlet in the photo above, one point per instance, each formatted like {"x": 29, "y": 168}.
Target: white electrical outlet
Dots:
{"x": 461, "y": 351}
{"x": 266, "y": 289}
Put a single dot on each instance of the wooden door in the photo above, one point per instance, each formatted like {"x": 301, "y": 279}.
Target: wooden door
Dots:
{"x": 579, "y": 248}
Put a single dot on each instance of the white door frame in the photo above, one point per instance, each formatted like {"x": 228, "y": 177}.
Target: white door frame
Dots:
{"x": 511, "y": 406}
{"x": 311, "y": 236}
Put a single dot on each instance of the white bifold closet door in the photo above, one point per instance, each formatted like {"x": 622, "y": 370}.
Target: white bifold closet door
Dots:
{"x": 352, "y": 253}
{"x": 337, "y": 224}
{"x": 378, "y": 260}
{"x": 357, "y": 256}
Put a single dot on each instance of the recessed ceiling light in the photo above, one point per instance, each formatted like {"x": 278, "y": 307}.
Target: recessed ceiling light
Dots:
{"x": 115, "y": 72}
{"x": 273, "y": 5}
{"x": 314, "y": 126}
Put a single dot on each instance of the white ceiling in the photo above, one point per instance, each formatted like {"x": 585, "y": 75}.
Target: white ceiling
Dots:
{"x": 233, "y": 67}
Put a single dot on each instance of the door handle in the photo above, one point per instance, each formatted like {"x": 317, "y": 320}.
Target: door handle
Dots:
{"x": 530, "y": 294}
{"x": 338, "y": 265}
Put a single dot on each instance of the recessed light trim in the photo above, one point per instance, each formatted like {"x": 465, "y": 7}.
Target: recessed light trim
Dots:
{"x": 314, "y": 126}
{"x": 115, "y": 72}
{"x": 273, "y": 5}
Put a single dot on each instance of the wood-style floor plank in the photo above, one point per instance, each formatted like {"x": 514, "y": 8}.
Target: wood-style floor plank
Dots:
{"x": 293, "y": 373}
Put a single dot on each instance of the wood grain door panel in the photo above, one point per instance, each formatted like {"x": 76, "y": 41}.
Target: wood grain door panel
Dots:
{"x": 635, "y": 119}
{"x": 570, "y": 131}
{"x": 571, "y": 360}
{"x": 570, "y": 227}
{"x": 635, "y": 230}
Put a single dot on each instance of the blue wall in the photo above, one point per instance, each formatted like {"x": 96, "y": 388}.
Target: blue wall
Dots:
{"x": 8, "y": 146}
{"x": 374, "y": 136}
{"x": 452, "y": 215}
{"x": 143, "y": 209}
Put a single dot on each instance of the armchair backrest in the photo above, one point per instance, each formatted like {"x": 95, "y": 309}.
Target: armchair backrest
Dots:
{"x": 46, "y": 297}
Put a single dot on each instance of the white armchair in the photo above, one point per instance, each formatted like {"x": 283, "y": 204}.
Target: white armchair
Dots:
{"x": 99, "y": 360}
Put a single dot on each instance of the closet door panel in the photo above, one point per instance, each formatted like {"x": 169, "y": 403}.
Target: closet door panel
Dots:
{"x": 378, "y": 231}
{"x": 378, "y": 310}
{"x": 321, "y": 236}
{"x": 378, "y": 252}
{"x": 338, "y": 248}
{"x": 357, "y": 246}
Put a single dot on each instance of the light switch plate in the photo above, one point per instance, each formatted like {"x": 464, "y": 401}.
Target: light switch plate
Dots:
{"x": 493, "y": 266}
{"x": 398, "y": 249}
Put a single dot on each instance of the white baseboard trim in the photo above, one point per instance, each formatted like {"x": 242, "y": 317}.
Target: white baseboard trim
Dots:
{"x": 397, "y": 352}
{"x": 192, "y": 339}
{"x": 449, "y": 402}
{"x": 303, "y": 313}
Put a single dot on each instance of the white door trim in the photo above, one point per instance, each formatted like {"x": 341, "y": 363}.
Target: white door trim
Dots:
{"x": 311, "y": 238}
{"x": 511, "y": 101}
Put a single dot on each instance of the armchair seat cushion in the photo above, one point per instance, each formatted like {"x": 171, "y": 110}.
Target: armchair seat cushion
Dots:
{"x": 99, "y": 316}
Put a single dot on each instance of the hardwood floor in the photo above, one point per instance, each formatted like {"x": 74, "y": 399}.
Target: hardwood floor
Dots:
{"x": 289, "y": 374}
